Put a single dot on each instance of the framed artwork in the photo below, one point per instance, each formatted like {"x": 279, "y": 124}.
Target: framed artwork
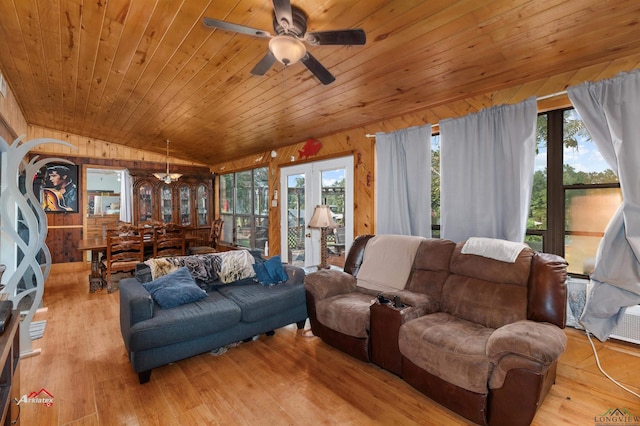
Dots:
{"x": 57, "y": 184}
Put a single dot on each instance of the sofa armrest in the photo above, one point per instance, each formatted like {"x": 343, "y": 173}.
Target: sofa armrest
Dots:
{"x": 136, "y": 304}
{"x": 535, "y": 341}
{"x": 524, "y": 345}
{"x": 329, "y": 282}
{"x": 547, "y": 290}
{"x": 295, "y": 274}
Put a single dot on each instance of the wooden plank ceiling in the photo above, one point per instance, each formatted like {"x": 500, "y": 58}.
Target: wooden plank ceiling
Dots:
{"x": 138, "y": 72}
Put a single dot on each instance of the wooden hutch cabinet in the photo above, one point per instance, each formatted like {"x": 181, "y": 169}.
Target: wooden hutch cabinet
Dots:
{"x": 187, "y": 202}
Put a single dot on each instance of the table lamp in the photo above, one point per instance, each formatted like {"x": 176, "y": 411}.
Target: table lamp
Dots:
{"x": 322, "y": 219}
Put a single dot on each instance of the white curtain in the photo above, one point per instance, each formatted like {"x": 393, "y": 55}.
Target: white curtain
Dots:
{"x": 403, "y": 182}
{"x": 486, "y": 172}
{"x": 610, "y": 110}
{"x": 126, "y": 197}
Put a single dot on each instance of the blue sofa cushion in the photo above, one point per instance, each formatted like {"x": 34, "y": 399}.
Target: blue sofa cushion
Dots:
{"x": 188, "y": 322}
{"x": 175, "y": 289}
{"x": 258, "y": 302}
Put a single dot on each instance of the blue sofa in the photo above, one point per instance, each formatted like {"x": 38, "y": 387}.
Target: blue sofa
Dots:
{"x": 232, "y": 312}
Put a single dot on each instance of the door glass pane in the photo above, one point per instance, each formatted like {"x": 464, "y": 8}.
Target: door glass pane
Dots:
{"x": 227, "y": 228}
{"x": 295, "y": 218}
{"x": 243, "y": 192}
{"x": 243, "y": 231}
{"x": 166, "y": 203}
{"x": 587, "y": 214}
{"x": 261, "y": 191}
{"x": 185, "y": 205}
{"x": 333, "y": 195}
{"x": 203, "y": 202}
{"x": 262, "y": 233}
{"x": 146, "y": 202}
{"x": 226, "y": 194}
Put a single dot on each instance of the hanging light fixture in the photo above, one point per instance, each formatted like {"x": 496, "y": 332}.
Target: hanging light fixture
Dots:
{"x": 287, "y": 49}
{"x": 168, "y": 177}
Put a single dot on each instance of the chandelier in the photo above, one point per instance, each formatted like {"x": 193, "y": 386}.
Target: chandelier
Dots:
{"x": 168, "y": 177}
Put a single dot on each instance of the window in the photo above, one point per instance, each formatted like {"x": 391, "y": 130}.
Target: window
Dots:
{"x": 244, "y": 199}
{"x": 575, "y": 193}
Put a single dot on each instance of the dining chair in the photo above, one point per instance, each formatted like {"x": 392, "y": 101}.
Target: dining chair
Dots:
{"x": 125, "y": 249}
{"x": 169, "y": 240}
{"x": 212, "y": 243}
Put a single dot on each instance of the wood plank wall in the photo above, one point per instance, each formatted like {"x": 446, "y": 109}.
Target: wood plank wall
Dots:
{"x": 354, "y": 141}
{"x": 348, "y": 142}
{"x": 12, "y": 121}
{"x": 66, "y": 229}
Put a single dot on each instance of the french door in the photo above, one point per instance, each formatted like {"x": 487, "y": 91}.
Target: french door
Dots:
{"x": 304, "y": 186}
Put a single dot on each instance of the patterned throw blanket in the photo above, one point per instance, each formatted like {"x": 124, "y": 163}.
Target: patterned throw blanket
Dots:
{"x": 234, "y": 265}
{"x": 205, "y": 269}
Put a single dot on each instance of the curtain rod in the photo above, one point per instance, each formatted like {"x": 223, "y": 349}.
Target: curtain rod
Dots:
{"x": 539, "y": 98}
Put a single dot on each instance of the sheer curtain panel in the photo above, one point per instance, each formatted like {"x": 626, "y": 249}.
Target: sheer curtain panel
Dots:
{"x": 610, "y": 109}
{"x": 403, "y": 182}
{"x": 486, "y": 172}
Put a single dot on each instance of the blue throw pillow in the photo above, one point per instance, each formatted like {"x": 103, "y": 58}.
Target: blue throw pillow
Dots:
{"x": 262, "y": 275}
{"x": 175, "y": 289}
{"x": 275, "y": 269}
{"x": 270, "y": 272}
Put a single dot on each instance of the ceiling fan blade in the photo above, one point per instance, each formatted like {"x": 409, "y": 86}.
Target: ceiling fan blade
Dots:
{"x": 265, "y": 63}
{"x": 284, "y": 16}
{"x": 228, "y": 26}
{"x": 317, "y": 69}
{"x": 337, "y": 37}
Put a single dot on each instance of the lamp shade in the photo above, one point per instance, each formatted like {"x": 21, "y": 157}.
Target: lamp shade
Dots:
{"x": 287, "y": 49}
{"x": 322, "y": 218}
{"x": 168, "y": 177}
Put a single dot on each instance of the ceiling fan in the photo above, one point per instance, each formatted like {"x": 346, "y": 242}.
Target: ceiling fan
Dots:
{"x": 287, "y": 47}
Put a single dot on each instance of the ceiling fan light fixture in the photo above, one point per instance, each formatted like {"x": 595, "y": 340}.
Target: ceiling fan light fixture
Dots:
{"x": 287, "y": 49}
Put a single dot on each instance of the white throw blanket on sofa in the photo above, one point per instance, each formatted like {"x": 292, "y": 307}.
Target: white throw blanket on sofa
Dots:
{"x": 493, "y": 248}
{"x": 387, "y": 262}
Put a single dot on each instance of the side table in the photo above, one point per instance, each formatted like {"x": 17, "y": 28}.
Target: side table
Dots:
{"x": 385, "y": 321}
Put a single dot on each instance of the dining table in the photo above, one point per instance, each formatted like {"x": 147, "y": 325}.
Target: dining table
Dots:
{"x": 98, "y": 248}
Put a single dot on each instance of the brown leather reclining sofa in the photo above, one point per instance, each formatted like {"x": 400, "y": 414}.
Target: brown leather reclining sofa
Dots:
{"x": 480, "y": 336}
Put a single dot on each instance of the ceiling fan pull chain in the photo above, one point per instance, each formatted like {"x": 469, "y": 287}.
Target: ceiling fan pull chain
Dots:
{"x": 284, "y": 77}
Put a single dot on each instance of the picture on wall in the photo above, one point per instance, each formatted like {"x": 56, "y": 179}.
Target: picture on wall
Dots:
{"x": 58, "y": 188}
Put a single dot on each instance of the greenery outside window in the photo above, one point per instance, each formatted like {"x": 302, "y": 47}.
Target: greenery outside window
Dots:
{"x": 575, "y": 193}
{"x": 435, "y": 186}
{"x": 244, "y": 198}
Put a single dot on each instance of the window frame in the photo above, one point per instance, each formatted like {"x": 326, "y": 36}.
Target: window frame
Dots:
{"x": 251, "y": 218}
{"x": 554, "y": 236}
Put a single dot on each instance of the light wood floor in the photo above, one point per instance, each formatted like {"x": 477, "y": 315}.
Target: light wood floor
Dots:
{"x": 286, "y": 379}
